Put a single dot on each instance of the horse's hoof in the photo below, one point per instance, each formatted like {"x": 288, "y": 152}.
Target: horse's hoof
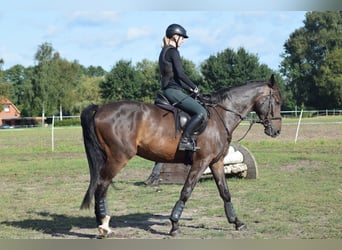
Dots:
{"x": 175, "y": 233}
{"x": 240, "y": 226}
{"x": 105, "y": 232}
{"x": 106, "y": 236}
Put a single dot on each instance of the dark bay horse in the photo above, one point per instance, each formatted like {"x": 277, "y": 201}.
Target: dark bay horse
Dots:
{"x": 114, "y": 133}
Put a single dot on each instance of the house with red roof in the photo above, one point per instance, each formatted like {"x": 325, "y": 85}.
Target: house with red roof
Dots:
{"x": 9, "y": 113}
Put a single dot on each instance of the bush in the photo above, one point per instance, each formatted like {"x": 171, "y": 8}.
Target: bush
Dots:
{"x": 68, "y": 122}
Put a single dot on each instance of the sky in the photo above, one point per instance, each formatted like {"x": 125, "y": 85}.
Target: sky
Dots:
{"x": 104, "y": 34}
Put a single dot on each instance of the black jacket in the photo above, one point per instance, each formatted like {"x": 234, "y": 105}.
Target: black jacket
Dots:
{"x": 172, "y": 71}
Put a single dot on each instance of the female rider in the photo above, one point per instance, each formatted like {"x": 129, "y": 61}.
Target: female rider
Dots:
{"x": 176, "y": 85}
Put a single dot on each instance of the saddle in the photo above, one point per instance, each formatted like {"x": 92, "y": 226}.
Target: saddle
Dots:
{"x": 181, "y": 117}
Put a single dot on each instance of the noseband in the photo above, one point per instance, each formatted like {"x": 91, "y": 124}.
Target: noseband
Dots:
{"x": 270, "y": 113}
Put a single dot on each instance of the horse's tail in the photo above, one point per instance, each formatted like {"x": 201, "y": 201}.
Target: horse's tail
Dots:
{"x": 95, "y": 153}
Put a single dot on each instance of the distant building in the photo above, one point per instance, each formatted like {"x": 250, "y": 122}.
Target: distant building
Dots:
{"x": 9, "y": 113}
{"x": 10, "y": 116}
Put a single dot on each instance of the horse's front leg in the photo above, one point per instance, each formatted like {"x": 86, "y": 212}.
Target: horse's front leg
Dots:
{"x": 189, "y": 185}
{"x": 220, "y": 178}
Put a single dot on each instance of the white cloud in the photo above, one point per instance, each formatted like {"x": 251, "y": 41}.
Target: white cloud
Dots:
{"x": 93, "y": 18}
{"x": 249, "y": 42}
{"x": 53, "y": 29}
{"x": 11, "y": 58}
{"x": 135, "y": 32}
{"x": 208, "y": 36}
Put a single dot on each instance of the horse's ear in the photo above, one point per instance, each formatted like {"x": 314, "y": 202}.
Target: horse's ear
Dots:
{"x": 272, "y": 81}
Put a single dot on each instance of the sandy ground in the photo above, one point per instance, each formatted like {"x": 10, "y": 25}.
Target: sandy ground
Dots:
{"x": 307, "y": 131}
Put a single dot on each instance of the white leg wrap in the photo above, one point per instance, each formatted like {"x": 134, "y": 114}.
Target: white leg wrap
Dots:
{"x": 104, "y": 228}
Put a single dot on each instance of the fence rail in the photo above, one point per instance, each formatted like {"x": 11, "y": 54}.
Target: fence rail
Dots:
{"x": 28, "y": 122}
{"x": 312, "y": 113}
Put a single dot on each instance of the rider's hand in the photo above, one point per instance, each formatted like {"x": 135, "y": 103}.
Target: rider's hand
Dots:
{"x": 195, "y": 90}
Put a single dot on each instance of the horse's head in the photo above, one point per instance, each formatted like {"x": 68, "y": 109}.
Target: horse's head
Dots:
{"x": 268, "y": 107}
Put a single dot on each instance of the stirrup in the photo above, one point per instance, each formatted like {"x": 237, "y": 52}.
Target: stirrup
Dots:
{"x": 187, "y": 145}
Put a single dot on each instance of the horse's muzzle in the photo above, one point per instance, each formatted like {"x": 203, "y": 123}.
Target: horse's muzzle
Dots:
{"x": 271, "y": 131}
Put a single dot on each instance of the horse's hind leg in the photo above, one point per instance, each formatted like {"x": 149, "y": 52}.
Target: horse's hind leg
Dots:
{"x": 101, "y": 208}
{"x": 220, "y": 179}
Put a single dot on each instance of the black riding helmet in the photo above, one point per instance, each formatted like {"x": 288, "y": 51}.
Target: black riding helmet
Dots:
{"x": 176, "y": 29}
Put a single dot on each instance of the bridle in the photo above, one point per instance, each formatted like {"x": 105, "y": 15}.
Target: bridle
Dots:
{"x": 270, "y": 112}
{"x": 266, "y": 122}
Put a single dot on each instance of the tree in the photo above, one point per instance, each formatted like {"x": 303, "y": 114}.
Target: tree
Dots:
{"x": 66, "y": 76}
{"x": 193, "y": 73}
{"x": 329, "y": 80}
{"x": 229, "y": 68}
{"x": 310, "y": 62}
{"x": 93, "y": 71}
{"x": 52, "y": 82}
{"x": 41, "y": 82}
{"x": 15, "y": 77}
{"x": 1, "y": 64}
{"x": 25, "y": 97}
{"x": 150, "y": 80}
{"x": 122, "y": 82}
{"x": 86, "y": 92}
{"x": 4, "y": 87}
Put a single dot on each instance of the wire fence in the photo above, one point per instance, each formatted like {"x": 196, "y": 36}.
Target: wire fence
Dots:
{"x": 297, "y": 124}
{"x": 29, "y": 122}
{"x": 312, "y": 113}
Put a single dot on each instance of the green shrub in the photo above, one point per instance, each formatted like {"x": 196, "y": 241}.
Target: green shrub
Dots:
{"x": 68, "y": 122}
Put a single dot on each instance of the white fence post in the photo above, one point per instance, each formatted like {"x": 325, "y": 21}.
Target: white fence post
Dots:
{"x": 300, "y": 119}
{"x": 52, "y": 134}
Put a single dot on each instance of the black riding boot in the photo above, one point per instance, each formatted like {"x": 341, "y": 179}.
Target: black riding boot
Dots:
{"x": 186, "y": 142}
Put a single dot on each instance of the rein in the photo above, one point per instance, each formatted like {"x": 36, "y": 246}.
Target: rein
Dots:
{"x": 265, "y": 121}
{"x": 251, "y": 123}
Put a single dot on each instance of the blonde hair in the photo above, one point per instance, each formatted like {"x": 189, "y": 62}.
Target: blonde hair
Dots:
{"x": 166, "y": 41}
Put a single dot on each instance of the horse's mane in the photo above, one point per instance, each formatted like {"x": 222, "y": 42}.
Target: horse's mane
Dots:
{"x": 225, "y": 92}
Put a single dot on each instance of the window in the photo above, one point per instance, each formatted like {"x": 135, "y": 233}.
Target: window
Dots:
{"x": 7, "y": 108}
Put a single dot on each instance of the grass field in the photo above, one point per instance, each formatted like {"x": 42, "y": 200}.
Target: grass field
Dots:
{"x": 298, "y": 194}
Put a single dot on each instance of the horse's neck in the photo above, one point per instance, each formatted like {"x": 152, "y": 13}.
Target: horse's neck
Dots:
{"x": 241, "y": 103}
{"x": 243, "y": 98}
